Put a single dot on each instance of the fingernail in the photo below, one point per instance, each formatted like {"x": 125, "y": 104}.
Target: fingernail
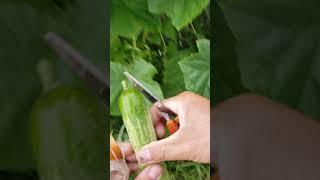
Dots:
{"x": 158, "y": 104}
{"x": 123, "y": 148}
{"x": 161, "y": 107}
{"x": 155, "y": 172}
{"x": 116, "y": 175}
{"x": 144, "y": 156}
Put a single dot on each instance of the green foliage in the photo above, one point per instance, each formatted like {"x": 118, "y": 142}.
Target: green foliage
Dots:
{"x": 155, "y": 43}
{"x": 128, "y": 18}
{"x": 277, "y": 49}
{"x": 142, "y": 70}
{"x": 181, "y": 12}
{"x": 195, "y": 69}
{"x": 173, "y": 82}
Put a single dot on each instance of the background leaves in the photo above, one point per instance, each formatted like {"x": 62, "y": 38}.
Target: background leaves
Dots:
{"x": 278, "y": 49}
{"x": 181, "y": 12}
{"x": 163, "y": 55}
{"x": 141, "y": 70}
{"x": 23, "y": 25}
{"x": 128, "y": 18}
{"x": 195, "y": 69}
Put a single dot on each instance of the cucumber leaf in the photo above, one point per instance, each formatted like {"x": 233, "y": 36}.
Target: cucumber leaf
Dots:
{"x": 144, "y": 72}
{"x": 278, "y": 49}
{"x": 141, "y": 70}
{"x": 196, "y": 69}
{"x": 128, "y": 18}
{"x": 181, "y": 12}
{"x": 173, "y": 82}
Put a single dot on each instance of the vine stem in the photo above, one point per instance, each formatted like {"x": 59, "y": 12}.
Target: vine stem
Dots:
{"x": 208, "y": 13}
{"x": 180, "y": 37}
{"x": 194, "y": 30}
{"x": 134, "y": 43}
{"x": 46, "y": 73}
{"x": 124, "y": 84}
{"x": 164, "y": 43}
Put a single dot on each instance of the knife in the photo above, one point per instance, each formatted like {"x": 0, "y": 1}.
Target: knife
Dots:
{"x": 86, "y": 70}
{"x": 171, "y": 123}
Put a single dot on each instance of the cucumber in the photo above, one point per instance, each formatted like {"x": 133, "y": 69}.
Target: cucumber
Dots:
{"x": 68, "y": 132}
{"x": 68, "y": 135}
{"x": 137, "y": 120}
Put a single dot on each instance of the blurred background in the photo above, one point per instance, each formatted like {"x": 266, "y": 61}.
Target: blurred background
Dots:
{"x": 271, "y": 48}
{"x": 23, "y": 25}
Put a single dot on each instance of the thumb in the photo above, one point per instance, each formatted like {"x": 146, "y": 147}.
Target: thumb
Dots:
{"x": 166, "y": 149}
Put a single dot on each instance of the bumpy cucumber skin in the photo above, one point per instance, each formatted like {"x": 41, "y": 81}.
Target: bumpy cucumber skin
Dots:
{"x": 68, "y": 136}
{"x": 138, "y": 122}
{"x": 136, "y": 118}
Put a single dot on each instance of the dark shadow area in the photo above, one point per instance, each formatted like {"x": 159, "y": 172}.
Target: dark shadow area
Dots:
{"x": 53, "y": 122}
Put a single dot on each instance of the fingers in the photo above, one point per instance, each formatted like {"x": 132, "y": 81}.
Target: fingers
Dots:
{"x": 157, "y": 122}
{"x": 131, "y": 158}
{"x": 133, "y": 167}
{"x": 116, "y": 176}
{"x": 167, "y": 149}
{"x": 160, "y": 130}
{"x": 155, "y": 114}
{"x": 152, "y": 172}
{"x": 126, "y": 148}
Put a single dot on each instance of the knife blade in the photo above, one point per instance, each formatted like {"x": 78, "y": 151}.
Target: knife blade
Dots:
{"x": 142, "y": 88}
{"x": 86, "y": 70}
{"x": 172, "y": 123}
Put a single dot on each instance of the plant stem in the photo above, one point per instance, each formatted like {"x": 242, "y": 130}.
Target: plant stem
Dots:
{"x": 46, "y": 73}
{"x": 164, "y": 43}
{"x": 124, "y": 84}
{"x": 194, "y": 30}
{"x": 208, "y": 13}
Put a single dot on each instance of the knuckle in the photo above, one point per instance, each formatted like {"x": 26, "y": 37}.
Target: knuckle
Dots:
{"x": 162, "y": 154}
{"x": 187, "y": 95}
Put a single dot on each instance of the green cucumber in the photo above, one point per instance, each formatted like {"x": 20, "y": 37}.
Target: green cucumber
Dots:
{"x": 137, "y": 120}
{"x": 68, "y": 135}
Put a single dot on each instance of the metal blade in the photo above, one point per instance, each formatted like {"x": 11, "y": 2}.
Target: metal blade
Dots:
{"x": 143, "y": 89}
{"x": 146, "y": 93}
{"x": 81, "y": 65}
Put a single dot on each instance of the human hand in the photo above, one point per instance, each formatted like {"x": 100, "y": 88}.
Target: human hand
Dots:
{"x": 151, "y": 172}
{"x": 191, "y": 141}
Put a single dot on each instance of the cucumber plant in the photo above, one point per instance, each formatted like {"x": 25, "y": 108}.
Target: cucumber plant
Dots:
{"x": 165, "y": 45}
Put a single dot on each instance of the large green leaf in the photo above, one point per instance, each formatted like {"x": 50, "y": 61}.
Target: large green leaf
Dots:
{"x": 173, "y": 82}
{"x": 196, "y": 69}
{"x": 128, "y": 18}
{"x": 141, "y": 70}
{"x": 278, "y": 49}
{"x": 181, "y": 12}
